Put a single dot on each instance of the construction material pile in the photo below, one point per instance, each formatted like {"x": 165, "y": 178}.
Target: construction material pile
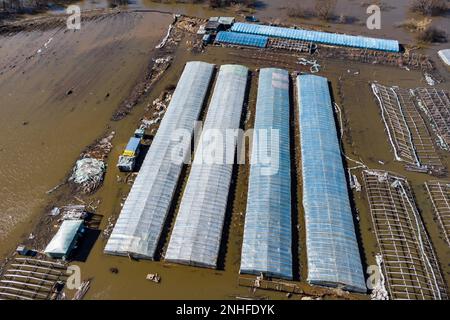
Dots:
{"x": 88, "y": 174}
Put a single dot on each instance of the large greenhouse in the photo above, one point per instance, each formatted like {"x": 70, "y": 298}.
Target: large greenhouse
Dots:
{"x": 267, "y": 244}
{"x": 318, "y": 37}
{"x": 141, "y": 221}
{"x": 197, "y": 232}
{"x": 331, "y": 245}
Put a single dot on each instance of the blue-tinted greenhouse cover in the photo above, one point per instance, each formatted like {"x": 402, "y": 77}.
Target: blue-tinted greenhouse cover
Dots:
{"x": 317, "y": 36}
{"x": 331, "y": 245}
{"x": 267, "y": 244}
{"x": 242, "y": 39}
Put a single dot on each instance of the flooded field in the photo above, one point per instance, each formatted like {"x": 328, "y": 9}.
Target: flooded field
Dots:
{"x": 394, "y": 12}
{"x": 364, "y": 139}
{"x": 59, "y": 89}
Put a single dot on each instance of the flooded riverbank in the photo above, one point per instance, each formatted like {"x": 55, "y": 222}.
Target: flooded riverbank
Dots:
{"x": 58, "y": 91}
{"x": 57, "y": 101}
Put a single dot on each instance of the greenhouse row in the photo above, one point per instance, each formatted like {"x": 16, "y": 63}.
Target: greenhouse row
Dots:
{"x": 267, "y": 244}
{"x": 333, "y": 257}
{"x": 242, "y": 39}
{"x": 332, "y": 249}
{"x": 197, "y": 234}
{"x": 317, "y": 37}
{"x": 139, "y": 226}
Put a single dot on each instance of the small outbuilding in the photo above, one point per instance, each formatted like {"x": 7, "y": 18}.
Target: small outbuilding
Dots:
{"x": 65, "y": 239}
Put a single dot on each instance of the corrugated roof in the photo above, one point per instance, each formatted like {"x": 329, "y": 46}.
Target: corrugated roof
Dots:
{"x": 267, "y": 244}
{"x": 318, "y": 37}
{"x": 133, "y": 144}
{"x": 197, "y": 233}
{"x": 332, "y": 249}
{"x": 242, "y": 39}
{"x": 63, "y": 240}
{"x": 139, "y": 226}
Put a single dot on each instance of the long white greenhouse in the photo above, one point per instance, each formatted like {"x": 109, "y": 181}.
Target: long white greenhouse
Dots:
{"x": 197, "y": 232}
{"x": 331, "y": 245}
{"x": 143, "y": 215}
{"x": 267, "y": 244}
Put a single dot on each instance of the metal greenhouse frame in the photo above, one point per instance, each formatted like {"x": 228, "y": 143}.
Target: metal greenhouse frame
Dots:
{"x": 332, "y": 249}
{"x": 267, "y": 244}
{"x": 318, "y": 37}
{"x": 139, "y": 227}
{"x": 197, "y": 233}
{"x": 409, "y": 262}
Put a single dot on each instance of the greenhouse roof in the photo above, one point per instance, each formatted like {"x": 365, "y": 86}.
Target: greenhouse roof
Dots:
{"x": 242, "y": 39}
{"x": 197, "y": 233}
{"x": 63, "y": 241}
{"x": 332, "y": 249}
{"x": 318, "y": 37}
{"x": 267, "y": 244}
{"x": 139, "y": 226}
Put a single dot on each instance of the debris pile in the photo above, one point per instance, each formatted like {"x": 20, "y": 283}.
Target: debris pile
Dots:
{"x": 379, "y": 291}
{"x": 315, "y": 67}
{"x": 159, "y": 105}
{"x": 73, "y": 212}
{"x": 88, "y": 174}
{"x": 153, "y": 277}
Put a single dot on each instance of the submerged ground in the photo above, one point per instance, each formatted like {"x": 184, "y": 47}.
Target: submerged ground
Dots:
{"x": 57, "y": 101}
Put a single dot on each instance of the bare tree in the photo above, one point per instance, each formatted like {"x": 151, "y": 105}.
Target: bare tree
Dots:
{"x": 324, "y": 9}
{"x": 430, "y": 7}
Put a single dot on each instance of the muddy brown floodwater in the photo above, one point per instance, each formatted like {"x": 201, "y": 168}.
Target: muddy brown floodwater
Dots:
{"x": 43, "y": 130}
{"x": 58, "y": 90}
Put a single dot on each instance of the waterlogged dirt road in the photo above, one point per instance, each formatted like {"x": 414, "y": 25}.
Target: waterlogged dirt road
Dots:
{"x": 58, "y": 90}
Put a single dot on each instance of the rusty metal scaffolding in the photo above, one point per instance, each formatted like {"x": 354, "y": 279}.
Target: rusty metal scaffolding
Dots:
{"x": 439, "y": 194}
{"x": 408, "y": 133}
{"x": 409, "y": 262}
{"x": 31, "y": 279}
{"x": 436, "y": 105}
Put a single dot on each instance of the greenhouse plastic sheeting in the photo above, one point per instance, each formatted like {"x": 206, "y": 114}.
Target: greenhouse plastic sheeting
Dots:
{"x": 197, "y": 233}
{"x": 267, "y": 244}
{"x": 331, "y": 245}
{"x": 144, "y": 212}
{"x": 318, "y": 37}
{"x": 242, "y": 39}
{"x": 64, "y": 240}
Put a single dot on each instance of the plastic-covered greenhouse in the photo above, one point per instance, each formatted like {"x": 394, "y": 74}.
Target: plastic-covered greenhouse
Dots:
{"x": 141, "y": 221}
{"x": 197, "y": 233}
{"x": 242, "y": 39}
{"x": 331, "y": 245}
{"x": 318, "y": 36}
{"x": 267, "y": 244}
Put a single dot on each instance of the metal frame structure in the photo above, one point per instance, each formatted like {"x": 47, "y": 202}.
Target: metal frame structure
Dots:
{"x": 409, "y": 264}
{"x": 439, "y": 195}
{"x": 31, "y": 279}
{"x": 408, "y": 133}
{"x": 141, "y": 221}
{"x": 436, "y": 105}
